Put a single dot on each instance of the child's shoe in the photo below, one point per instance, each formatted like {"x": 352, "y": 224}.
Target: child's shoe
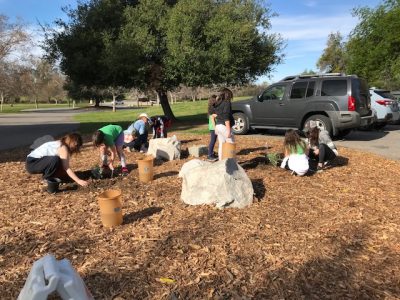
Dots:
{"x": 212, "y": 158}
{"x": 125, "y": 171}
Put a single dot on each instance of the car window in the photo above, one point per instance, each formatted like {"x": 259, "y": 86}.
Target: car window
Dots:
{"x": 298, "y": 90}
{"x": 310, "y": 89}
{"x": 385, "y": 94}
{"x": 274, "y": 93}
{"x": 334, "y": 88}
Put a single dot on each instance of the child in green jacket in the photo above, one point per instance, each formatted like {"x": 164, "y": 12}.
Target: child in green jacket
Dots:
{"x": 110, "y": 139}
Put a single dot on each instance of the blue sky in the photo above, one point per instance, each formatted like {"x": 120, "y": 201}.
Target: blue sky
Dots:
{"x": 304, "y": 24}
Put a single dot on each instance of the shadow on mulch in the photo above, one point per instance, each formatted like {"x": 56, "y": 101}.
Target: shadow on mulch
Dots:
{"x": 184, "y": 154}
{"x": 166, "y": 174}
{"x": 339, "y": 161}
{"x": 139, "y": 215}
{"x": 113, "y": 283}
{"x": 254, "y": 162}
{"x": 339, "y": 276}
{"x": 249, "y": 150}
{"x": 259, "y": 188}
{"x": 189, "y": 141}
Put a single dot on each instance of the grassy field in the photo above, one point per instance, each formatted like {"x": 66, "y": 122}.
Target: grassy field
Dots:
{"x": 15, "y": 108}
{"x": 192, "y": 116}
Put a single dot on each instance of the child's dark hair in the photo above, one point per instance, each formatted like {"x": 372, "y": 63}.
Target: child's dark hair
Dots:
{"x": 292, "y": 141}
{"x": 73, "y": 142}
{"x": 313, "y": 135}
{"x": 211, "y": 102}
{"x": 98, "y": 138}
{"x": 225, "y": 94}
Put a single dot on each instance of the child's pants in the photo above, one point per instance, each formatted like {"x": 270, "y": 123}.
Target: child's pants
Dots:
{"x": 213, "y": 139}
{"x": 46, "y": 165}
{"x": 222, "y": 132}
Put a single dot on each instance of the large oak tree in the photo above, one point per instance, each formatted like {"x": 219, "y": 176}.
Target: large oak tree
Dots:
{"x": 160, "y": 44}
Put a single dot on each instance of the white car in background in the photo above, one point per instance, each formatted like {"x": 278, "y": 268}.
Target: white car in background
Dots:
{"x": 386, "y": 107}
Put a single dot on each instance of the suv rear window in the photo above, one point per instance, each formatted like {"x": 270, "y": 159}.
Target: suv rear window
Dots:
{"x": 334, "y": 88}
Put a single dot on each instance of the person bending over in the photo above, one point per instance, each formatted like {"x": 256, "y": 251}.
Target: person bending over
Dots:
{"x": 110, "y": 139}
{"x": 139, "y": 127}
{"x": 52, "y": 158}
{"x": 321, "y": 145}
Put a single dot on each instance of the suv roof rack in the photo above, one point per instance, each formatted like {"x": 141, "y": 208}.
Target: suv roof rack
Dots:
{"x": 300, "y": 76}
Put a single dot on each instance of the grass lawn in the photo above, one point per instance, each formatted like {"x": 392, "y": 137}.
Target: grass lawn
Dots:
{"x": 15, "y": 108}
{"x": 192, "y": 116}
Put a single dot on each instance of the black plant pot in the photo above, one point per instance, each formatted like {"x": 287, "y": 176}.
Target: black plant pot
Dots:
{"x": 53, "y": 185}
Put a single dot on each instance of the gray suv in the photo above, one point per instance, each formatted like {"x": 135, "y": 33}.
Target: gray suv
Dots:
{"x": 337, "y": 102}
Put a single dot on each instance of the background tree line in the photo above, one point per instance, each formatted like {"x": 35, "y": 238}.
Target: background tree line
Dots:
{"x": 22, "y": 75}
{"x": 372, "y": 49}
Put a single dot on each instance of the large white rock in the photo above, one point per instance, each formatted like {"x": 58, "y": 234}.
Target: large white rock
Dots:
{"x": 223, "y": 183}
{"x": 165, "y": 148}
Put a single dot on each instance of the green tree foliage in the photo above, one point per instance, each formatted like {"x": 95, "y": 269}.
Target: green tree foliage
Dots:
{"x": 230, "y": 45}
{"x": 88, "y": 47}
{"x": 373, "y": 48}
{"x": 308, "y": 72}
{"x": 333, "y": 57}
{"x": 160, "y": 44}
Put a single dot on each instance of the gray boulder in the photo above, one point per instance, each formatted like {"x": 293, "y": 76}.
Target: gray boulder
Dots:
{"x": 223, "y": 184}
{"x": 198, "y": 150}
{"x": 165, "y": 148}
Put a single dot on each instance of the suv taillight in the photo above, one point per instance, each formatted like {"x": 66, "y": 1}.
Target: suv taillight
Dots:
{"x": 351, "y": 103}
{"x": 384, "y": 102}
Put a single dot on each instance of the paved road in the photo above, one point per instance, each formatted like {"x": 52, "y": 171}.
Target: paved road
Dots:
{"x": 22, "y": 129}
{"x": 385, "y": 142}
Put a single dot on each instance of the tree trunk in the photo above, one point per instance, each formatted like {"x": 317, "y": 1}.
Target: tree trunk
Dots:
{"x": 162, "y": 95}
{"x": 2, "y": 102}
{"x": 114, "y": 100}
{"x": 36, "y": 103}
{"x": 97, "y": 99}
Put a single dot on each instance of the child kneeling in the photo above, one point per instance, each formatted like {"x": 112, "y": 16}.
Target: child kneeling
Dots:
{"x": 296, "y": 153}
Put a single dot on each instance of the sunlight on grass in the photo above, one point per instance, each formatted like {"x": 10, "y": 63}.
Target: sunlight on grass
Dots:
{"x": 190, "y": 114}
{"x": 15, "y": 108}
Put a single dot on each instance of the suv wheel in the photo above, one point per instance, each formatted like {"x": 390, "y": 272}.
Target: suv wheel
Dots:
{"x": 323, "y": 123}
{"x": 241, "y": 123}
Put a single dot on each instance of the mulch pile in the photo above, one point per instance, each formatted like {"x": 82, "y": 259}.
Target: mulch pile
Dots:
{"x": 331, "y": 235}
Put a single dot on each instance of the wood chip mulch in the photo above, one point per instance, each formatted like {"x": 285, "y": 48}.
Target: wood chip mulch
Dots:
{"x": 330, "y": 235}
